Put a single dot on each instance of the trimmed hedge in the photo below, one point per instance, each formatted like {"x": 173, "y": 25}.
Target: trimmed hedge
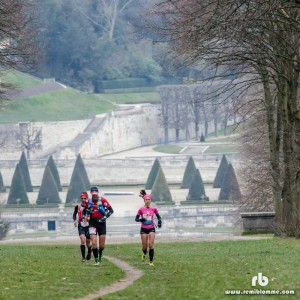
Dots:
{"x": 230, "y": 189}
{"x": 2, "y": 186}
{"x": 197, "y": 190}
{"x": 152, "y": 175}
{"x": 80, "y": 168}
{"x": 160, "y": 191}
{"x": 220, "y": 172}
{"x": 103, "y": 85}
{"x": 17, "y": 188}
{"x": 25, "y": 171}
{"x": 48, "y": 192}
{"x": 76, "y": 187}
{"x": 189, "y": 172}
{"x": 52, "y": 166}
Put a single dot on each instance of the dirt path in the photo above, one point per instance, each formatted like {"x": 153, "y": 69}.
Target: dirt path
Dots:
{"x": 132, "y": 274}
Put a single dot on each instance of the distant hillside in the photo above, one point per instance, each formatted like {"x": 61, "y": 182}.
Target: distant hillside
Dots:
{"x": 35, "y": 100}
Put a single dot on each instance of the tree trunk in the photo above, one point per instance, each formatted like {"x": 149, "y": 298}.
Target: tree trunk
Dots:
{"x": 28, "y": 153}
{"x": 177, "y": 135}
{"x": 274, "y": 134}
{"x": 291, "y": 216}
{"x": 206, "y": 129}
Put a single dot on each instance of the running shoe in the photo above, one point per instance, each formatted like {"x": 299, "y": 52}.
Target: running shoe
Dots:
{"x": 88, "y": 257}
{"x": 151, "y": 264}
{"x": 83, "y": 259}
{"x": 143, "y": 257}
{"x": 97, "y": 263}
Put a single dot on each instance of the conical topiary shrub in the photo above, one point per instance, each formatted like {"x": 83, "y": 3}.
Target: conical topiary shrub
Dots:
{"x": 160, "y": 190}
{"x": 80, "y": 168}
{"x": 196, "y": 190}
{"x": 52, "y": 166}
{"x": 76, "y": 187}
{"x": 152, "y": 175}
{"x": 220, "y": 172}
{"x": 48, "y": 193}
{"x": 190, "y": 169}
{"x": 230, "y": 189}
{"x": 202, "y": 138}
{"x": 25, "y": 172}
{"x": 17, "y": 193}
{"x": 2, "y": 186}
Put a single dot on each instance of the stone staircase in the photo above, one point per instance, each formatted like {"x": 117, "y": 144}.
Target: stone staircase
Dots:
{"x": 93, "y": 127}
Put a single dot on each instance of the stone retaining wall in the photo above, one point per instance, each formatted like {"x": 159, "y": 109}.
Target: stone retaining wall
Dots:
{"x": 258, "y": 222}
{"x": 126, "y": 128}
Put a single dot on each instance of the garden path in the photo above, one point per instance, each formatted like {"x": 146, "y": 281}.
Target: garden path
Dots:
{"x": 132, "y": 274}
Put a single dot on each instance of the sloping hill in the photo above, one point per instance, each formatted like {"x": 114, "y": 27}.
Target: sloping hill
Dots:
{"x": 37, "y": 100}
{"x": 35, "y": 90}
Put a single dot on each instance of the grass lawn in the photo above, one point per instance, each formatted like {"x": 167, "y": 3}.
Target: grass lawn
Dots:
{"x": 67, "y": 104}
{"x": 51, "y": 272}
{"x": 189, "y": 270}
{"x": 223, "y": 139}
{"x": 172, "y": 149}
{"x": 222, "y": 149}
{"x": 61, "y": 105}
{"x": 132, "y": 98}
{"x": 20, "y": 80}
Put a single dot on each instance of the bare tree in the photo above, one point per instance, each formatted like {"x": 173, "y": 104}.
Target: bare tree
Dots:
{"x": 255, "y": 174}
{"x": 105, "y": 15}
{"x": 190, "y": 103}
{"x": 18, "y": 47}
{"x": 4, "y": 135}
{"x": 185, "y": 110}
{"x": 29, "y": 138}
{"x": 164, "y": 116}
{"x": 257, "y": 42}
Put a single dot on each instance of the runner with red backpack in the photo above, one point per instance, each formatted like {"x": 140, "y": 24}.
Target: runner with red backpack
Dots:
{"x": 81, "y": 221}
{"x": 99, "y": 210}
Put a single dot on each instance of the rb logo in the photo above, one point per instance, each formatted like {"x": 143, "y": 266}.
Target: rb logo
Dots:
{"x": 261, "y": 280}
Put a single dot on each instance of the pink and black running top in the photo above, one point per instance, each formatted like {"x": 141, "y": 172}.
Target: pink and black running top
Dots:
{"x": 147, "y": 214}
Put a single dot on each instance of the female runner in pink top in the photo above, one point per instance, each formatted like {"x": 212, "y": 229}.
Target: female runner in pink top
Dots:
{"x": 145, "y": 215}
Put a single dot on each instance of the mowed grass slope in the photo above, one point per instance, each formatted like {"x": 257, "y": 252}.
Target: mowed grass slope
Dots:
{"x": 187, "y": 270}
{"x": 62, "y": 105}
{"x": 21, "y": 80}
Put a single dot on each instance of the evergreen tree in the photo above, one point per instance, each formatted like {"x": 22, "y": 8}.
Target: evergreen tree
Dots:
{"x": 25, "y": 171}
{"x": 202, "y": 138}
{"x": 48, "y": 192}
{"x": 230, "y": 189}
{"x": 2, "y": 186}
{"x": 80, "y": 168}
{"x": 220, "y": 172}
{"x": 18, "y": 193}
{"x": 76, "y": 187}
{"x": 160, "y": 190}
{"x": 152, "y": 175}
{"x": 52, "y": 166}
{"x": 197, "y": 190}
{"x": 188, "y": 174}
